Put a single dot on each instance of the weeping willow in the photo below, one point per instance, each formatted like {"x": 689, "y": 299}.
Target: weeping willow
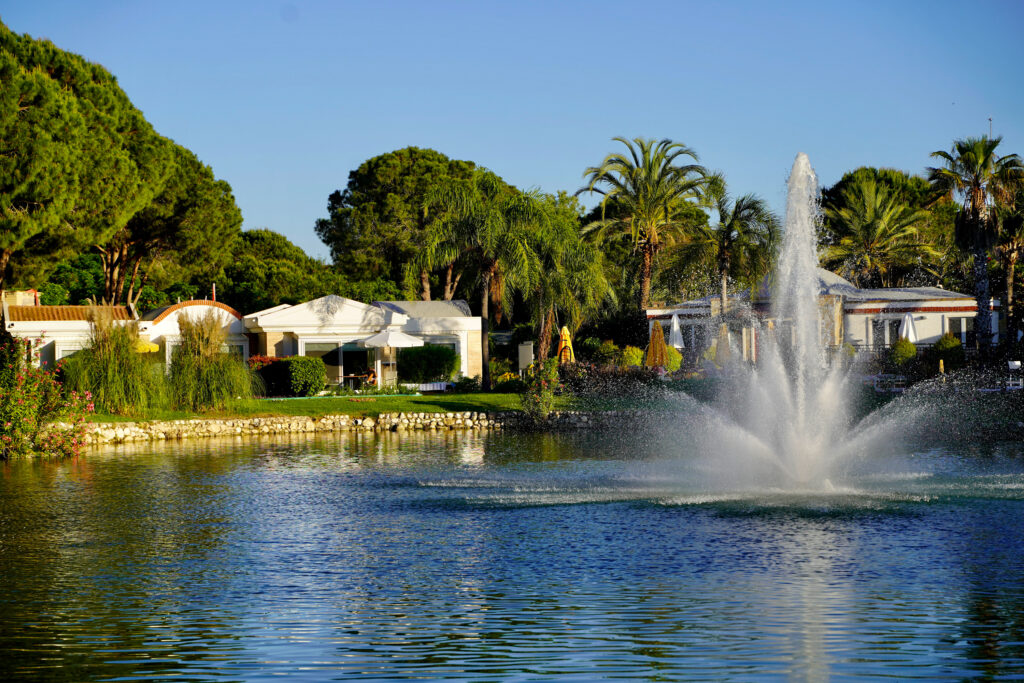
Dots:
{"x": 202, "y": 374}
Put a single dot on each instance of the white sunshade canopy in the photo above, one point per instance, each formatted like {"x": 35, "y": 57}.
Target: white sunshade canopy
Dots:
{"x": 392, "y": 338}
{"x": 907, "y": 329}
{"x": 675, "y": 335}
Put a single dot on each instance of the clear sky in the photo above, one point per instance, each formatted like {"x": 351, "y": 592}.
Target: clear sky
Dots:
{"x": 284, "y": 98}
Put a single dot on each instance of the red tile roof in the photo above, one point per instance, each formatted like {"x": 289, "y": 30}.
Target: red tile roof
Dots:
{"x": 64, "y": 313}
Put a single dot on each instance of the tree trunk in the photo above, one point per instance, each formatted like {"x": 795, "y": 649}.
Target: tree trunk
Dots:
{"x": 645, "y": 278}
{"x": 449, "y": 283}
{"x": 982, "y": 297}
{"x": 544, "y": 343}
{"x": 724, "y": 283}
{"x": 1011, "y": 318}
{"x": 485, "y": 352}
{"x": 424, "y": 285}
{"x": 133, "y": 294}
{"x": 5, "y": 257}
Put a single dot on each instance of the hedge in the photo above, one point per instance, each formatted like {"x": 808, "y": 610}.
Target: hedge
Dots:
{"x": 427, "y": 363}
{"x": 294, "y": 376}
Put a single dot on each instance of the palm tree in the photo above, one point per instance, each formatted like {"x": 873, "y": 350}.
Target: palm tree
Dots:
{"x": 486, "y": 220}
{"x": 649, "y": 187}
{"x": 1010, "y": 247}
{"x": 875, "y": 233}
{"x": 981, "y": 178}
{"x": 571, "y": 283}
{"x": 740, "y": 244}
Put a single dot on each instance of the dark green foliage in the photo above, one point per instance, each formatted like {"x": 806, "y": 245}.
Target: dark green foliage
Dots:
{"x": 427, "y": 363}
{"x": 467, "y": 385}
{"x": 376, "y": 226}
{"x": 949, "y": 350}
{"x": 268, "y": 270}
{"x": 122, "y": 380}
{"x": 52, "y": 294}
{"x": 82, "y": 277}
{"x": 512, "y": 385}
{"x": 294, "y": 376}
{"x": 902, "y": 353}
{"x": 607, "y": 354}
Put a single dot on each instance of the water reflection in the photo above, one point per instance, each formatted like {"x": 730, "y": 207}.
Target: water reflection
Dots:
{"x": 490, "y": 557}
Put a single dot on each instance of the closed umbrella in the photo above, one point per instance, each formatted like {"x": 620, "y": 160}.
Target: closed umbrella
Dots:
{"x": 907, "y": 329}
{"x": 675, "y": 335}
{"x": 565, "y": 352}
{"x": 657, "y": 352}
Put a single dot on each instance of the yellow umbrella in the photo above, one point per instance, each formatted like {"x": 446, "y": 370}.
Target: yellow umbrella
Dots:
{"x": 565, "y": 352}
{"x": 657, "y": 353}
{"x": 145, "y": 346}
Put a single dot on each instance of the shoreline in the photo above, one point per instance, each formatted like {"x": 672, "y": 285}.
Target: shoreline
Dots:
{"x": 107, "y": 433}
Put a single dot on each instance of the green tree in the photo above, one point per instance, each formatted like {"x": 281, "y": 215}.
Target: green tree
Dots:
{"x": 570, "y": 283}
{"x": 1009, "y": 248}
{"x": 486, "y": 220}
{"x": 740, "y": 244}
{"x": 376, "y": 226}
{"x": 194, "y": 221}
{"x": 122, "y": 162}
{"x": 40, "y": 134}
{"x": 875, "y": 234}
{"x": 976, "y": 175}
{"x": 650, "y": 187}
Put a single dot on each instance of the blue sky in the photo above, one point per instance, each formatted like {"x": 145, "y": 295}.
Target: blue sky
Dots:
{"x": 283, "y": 99}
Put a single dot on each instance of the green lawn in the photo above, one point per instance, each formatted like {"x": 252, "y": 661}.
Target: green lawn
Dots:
{"x": 369, "y": 406}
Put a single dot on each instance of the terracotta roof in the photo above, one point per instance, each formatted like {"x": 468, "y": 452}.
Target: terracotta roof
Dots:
{"x": 158, "y": 314}
{"x": 64, "y": 313}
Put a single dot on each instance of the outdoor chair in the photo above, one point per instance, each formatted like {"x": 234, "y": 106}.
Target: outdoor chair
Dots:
{"x": 1015, "y": 379}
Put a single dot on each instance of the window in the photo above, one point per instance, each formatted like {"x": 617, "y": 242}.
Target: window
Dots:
{"x": 962, "y": 329}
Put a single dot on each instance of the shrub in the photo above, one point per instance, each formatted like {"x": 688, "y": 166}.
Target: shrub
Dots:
{"x": 202, "y": 376}
{"x": 467, "y": 385}
{"x": 632, "y": 357}
{"x": 902, "y": 353}
{"x": 588, "y": 349}
{"x": 607, "y": 353}
{"x": 673, "y": 359}
{"x": 294, "y": 376}
{"x": 509, "y": 383}
{"x": 121, "y": 380}
{"x": 427, "y": 363}
{"x": 31, "y": 399}
{"x": 609, "y": 382}
{"x": 538, "y": 398}
{"x": 949, "y": 350}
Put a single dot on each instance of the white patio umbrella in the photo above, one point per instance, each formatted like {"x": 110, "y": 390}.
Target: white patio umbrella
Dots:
{"x": 389, "y": 339}
{"x": 675, "y": 335}
{"x": 907, "y": 329}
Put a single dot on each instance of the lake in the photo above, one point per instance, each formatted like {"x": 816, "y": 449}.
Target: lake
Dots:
{"x": 498, "y": 557}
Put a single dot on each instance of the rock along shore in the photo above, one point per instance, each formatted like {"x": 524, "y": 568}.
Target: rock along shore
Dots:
{"x": 102, "y": 433}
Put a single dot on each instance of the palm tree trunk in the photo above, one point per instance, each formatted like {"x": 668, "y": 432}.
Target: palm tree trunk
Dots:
{"x": 646, "y": 267}
{"x": 1011, "y": 317}
{"x": 450, "y": 282}
{"x": 424, "y": 285}
{"x": 982, "y": 297}
{"x": 724, "y": 283}
{"x": 485, "y": 351}
{"x": 544, "y": 343}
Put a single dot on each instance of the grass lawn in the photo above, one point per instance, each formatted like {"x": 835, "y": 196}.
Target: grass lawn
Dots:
{"x": 370, "y": 406}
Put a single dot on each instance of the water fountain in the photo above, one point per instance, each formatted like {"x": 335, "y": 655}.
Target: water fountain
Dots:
{"x": 784, "y": 421}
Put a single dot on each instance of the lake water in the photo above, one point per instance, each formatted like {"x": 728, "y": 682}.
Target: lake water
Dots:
{"x": 504, "y": 557}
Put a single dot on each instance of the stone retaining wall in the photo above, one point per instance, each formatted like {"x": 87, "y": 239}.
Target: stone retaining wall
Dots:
{"x": 124, "y": 432}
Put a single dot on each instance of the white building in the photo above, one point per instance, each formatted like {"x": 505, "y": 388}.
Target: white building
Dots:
{"x": 61, "y": 330}
{"x": 332, "y": 328}
{"x": 161, "y": 326}
{"x": 867, "y": 319}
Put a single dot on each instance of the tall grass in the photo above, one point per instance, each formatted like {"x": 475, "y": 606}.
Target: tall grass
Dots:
{"x": 122, "y": 380}
{"x": 202, "y": 375}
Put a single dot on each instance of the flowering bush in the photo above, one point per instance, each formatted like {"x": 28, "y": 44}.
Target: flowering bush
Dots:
{"x": 538, "y": 399}
{"x": 31, "y": 399}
